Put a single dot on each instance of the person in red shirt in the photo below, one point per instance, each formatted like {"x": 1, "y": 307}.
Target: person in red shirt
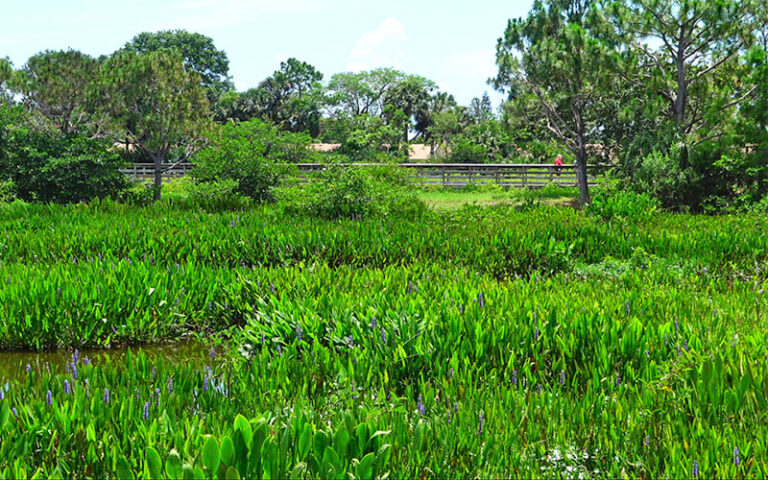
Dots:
{"x": 559, "y": 163}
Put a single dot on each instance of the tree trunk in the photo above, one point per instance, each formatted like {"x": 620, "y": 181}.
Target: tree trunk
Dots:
{"x": 581, "y": 174}
{"x": 158, "y": 187}
{"x": 682, "y": 87}
{"x": 581, "y": 157}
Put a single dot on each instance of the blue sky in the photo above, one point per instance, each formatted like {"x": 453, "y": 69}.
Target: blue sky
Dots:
{"x": 450, "y": 42}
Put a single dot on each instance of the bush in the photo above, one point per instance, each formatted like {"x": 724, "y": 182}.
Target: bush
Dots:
{"x": 47, "y": 166}
{"x": 351, "y": 192}
{"x": 253, "y": 155}
{"x": 661, "y": 176}
{"x": 463, "y": 150}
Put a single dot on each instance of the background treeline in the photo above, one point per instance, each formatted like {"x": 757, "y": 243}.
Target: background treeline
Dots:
{"x": 673, "y": 94}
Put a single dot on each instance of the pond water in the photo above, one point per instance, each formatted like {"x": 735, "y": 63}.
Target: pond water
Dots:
{"x": 13, "y": 365}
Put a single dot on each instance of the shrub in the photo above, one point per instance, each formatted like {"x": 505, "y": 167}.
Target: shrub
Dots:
{"x": 465, "y": 150}
{"x": 47, "y": 166}
{"x": 351, "y": 192}
{"x": 254, "y": 155}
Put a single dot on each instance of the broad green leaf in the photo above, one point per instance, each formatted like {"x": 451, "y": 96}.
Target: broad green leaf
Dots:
{"x": 154, "y": 463}
{"x": 173, "y": 465}
{"x": 211, "y": 458}
{"x": 123, "y": 471}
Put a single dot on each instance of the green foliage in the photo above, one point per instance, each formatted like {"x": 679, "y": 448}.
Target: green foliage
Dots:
{"x": 669, "y": 343}
{"x": 219, "y": 196}
{"x": 291, "y": 98}
{"x": 556, "y": 66}
{"x": 198, "y": 51}
{"x": 160, "y": 106}
{"x": 59, "y": 85}
{"x": 253, "y": 156}
{"x": 7, "y": 191}
{"x": 353, "y": 192}
{"x": 48, "y": 166}
{"x": 612, "y": 202}
{"x": 370, "y": 138}
{"x": 661, "y": 176}
{"x": 485, "y": 142}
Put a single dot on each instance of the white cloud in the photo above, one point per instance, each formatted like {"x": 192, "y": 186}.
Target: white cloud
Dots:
{"x": 379, "y": 48}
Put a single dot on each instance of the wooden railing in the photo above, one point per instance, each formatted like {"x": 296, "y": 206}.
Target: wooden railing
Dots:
{"x": 445, "y": 174}
{"x": 143, "y": 170}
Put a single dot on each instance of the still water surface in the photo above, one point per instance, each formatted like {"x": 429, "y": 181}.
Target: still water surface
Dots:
{"x": 13, "y": 365}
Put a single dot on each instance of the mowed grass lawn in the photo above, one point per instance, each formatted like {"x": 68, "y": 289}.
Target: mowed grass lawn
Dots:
{"x": 452, "y": 199}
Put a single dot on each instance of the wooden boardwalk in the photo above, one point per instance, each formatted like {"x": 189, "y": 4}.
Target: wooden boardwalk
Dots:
{"x": 445, "y": 174}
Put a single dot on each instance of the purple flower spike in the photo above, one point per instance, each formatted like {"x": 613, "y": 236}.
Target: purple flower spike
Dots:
{"x": 146, "y": 410}
{"x": 2, "y": 394}
{"x": 695, "y": 469}
{"x": 206, "y": 382}
{"x": 280, "y": 349}
{"x": 212, "y": 353}
{"x": 298, "y": 333}
{"x": 48, "y": 398}
{"x": 106, "y": 396}
{"x": 647, "y": 441}
{"x": 514, "y": 377}
{"x": 383, "y": 335}
{"x": 15, "y": 415}
{"x": 562, "y": 377}
{"x": 736, "y": 458}
{"x": 480, "y": 422}
{"x": 29, "y": 367}
{"x": 481, "y": 299}
{"x": 66, "y": 387}
{"x": 373, "y": 322}
{"x": 420, "y": 406}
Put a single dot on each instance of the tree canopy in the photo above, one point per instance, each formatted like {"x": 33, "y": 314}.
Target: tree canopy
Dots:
{"x": 58, "y": 85}
{"x": 198, "y": 51}
{"x": 559, "y": 63}
{"x": 159, "y": 105}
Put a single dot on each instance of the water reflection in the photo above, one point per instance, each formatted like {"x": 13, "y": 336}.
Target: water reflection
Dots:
{"x": 13, "y": 365}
